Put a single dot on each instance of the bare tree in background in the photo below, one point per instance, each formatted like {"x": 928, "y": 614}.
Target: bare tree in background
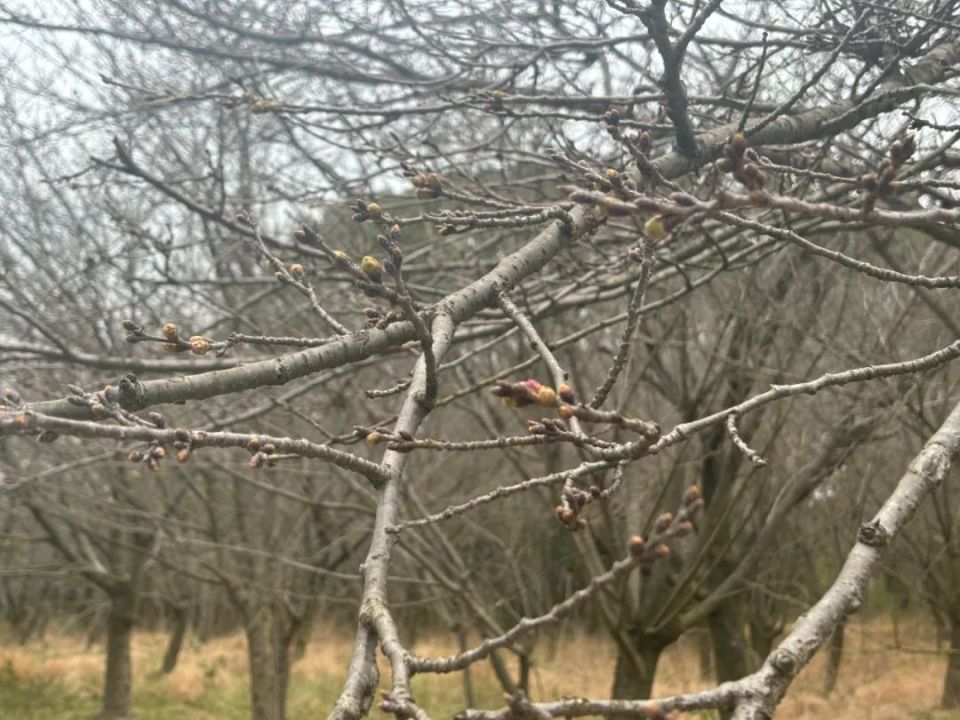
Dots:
{"x": 641, "y": 233}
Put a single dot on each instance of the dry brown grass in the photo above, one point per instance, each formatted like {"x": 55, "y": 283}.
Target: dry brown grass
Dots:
{"x": 877, "y": 682}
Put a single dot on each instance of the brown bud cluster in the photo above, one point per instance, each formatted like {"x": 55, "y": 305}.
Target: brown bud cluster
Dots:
{"x": 151, "y": 456}
{"x": 667, "y": 525}
{"x": 261, "y": 452}
{"x": 391, "y": 243}
{"x": 363, "y": 211}
{"x": 568, "y": 517}
{"x": 741, "y": 163}
{"x": 428, "y": 185}
{"x": 379, "y": 319}
{"x": 880, "y": 184}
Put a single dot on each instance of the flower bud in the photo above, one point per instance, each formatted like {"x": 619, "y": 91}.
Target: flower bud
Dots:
{"x": 170, "y": 331}
{"x": 372, "y": 268}
{"x": 199, "y": 345}
{"x": 691, "y": 494}
{"x": 566, "y": 393}
{"x": 663, "y": 522}
{"x": 546, "y": 396}
{"x": 637, "y": 545}
{"x": 655, "y": 228}
{"x": 738, "y": 143}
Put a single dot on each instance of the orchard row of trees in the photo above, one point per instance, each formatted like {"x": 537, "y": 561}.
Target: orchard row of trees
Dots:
{"x": 490, "y": 318}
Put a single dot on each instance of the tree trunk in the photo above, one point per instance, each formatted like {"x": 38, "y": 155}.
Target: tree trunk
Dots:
{"x": 704, "y": 654}
{"x": 834, "y": 656}
{"x": 269, "y": 655}
{"x": 951, "y": 682}
{"x": 503, "y": 673}
{"x": 636, "y": 683}
{"x": 117, "y": 682}
{"x": 730, "y": 649}
{"x": 469, "y": 700}
{"x": 177, "y": 633}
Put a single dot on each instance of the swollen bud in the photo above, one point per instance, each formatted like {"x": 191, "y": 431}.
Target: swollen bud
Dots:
{"x": 691, "y": 495}
{"x": 738, "y": 143}
{"x": 199, "y": 345}
{"x": 372, "y": 268}
{"x": 655, "y": 228}
{"x": 546, "y": 396}
{"x": 663, "y": 522}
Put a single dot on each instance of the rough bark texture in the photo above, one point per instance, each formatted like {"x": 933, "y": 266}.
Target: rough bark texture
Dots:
{"x": 731, "y": 651}
{"x": 269, "y": 667}
{"x": 628, "y": 682}
{"x": 117, "y": 682}
{"x": 951, "y": 682}
{"x": 177, "y": 633}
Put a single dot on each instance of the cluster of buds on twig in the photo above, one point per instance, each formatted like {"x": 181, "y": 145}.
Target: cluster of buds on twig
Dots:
{"x": 151, "y": 457}
{"x": 381, "y": 320}
{"x": 183, "y": 444}
{"x": 428, "y": 185}
{"x": 169, "y": 338}
{"x": 640, "y": 143}
{"x": 363, "y": 211}
{"x": 373, "y": 436}
{"x": 531, "y": 392}
{"x": 572, "y": 504}
{"x": 742, "y": 162}
{"x": 96, "y": 403}
{"x": 260, "y": 451}
{"x": 391, "y": 243}
{"x": 648, "y": 549}
{"x": 876, "y": 185}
